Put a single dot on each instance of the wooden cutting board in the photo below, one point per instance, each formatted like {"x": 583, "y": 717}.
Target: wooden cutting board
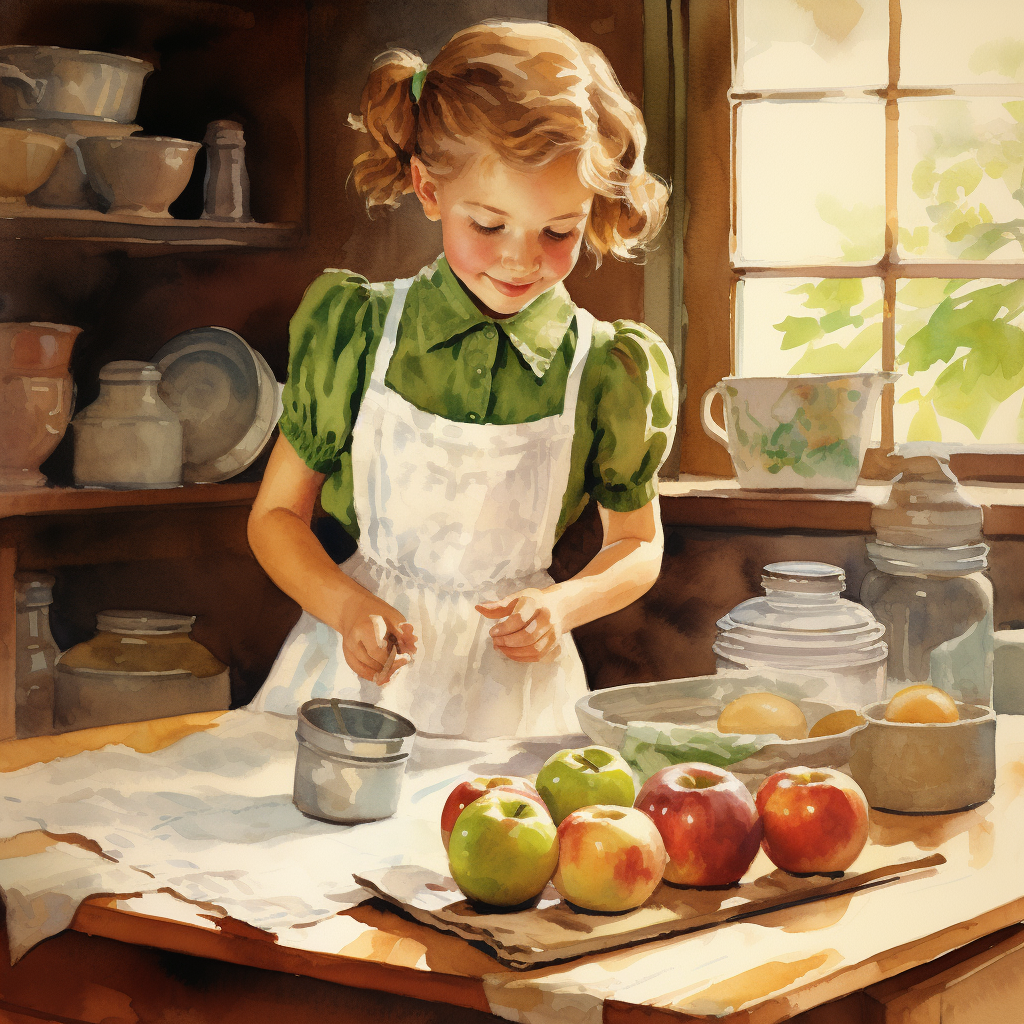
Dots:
{"x": 551, "y": 930}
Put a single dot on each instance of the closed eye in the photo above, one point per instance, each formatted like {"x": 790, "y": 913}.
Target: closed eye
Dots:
{"x": 558, "y": 236}
{"x": 486, "y": 231}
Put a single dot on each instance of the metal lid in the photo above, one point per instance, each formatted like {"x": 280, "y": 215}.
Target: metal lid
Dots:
{"x": 129, "y": 371}
{"x": 804, "y": 577}
{"x": 33, "y": 589}
{"x": 352, "y": 728}
{"x": 143, "y": 622}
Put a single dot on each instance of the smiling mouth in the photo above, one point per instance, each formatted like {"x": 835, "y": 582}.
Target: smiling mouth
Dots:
{"x": 509, "y": 289}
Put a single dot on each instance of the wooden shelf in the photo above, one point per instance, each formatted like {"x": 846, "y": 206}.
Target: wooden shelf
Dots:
{"x": 721, "y": 502}
{"x": 42, "y": 500}
{"x": 142, "y": 236}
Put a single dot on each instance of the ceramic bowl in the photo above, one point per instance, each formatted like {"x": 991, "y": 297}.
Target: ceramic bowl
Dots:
{"x": 68, "y": 185}
{"x": 55, "y": 82}
{"x": 653, "y": 711}
{"x": 226, "y": 397}
{"x": 805, "y": 432}
{"x": 27, "y": 159}
{"x": 138, "y": 175}
{"x": 37, "y": 397}
{"x": 933, "y": 768}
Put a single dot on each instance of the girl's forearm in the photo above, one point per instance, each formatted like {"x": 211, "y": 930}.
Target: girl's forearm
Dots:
{"x": 620, "y": 573}
{"x": 296, "y": 561}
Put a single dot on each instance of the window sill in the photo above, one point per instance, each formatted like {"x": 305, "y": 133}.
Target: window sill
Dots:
{"x": 721, "y": 502}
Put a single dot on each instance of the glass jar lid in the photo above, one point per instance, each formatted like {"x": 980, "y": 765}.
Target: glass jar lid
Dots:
{"x": 143, "y": 622}
{"x": 801, "y": 620}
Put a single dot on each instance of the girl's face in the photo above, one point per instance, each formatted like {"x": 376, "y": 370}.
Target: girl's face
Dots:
{"x": 509, "y": 234}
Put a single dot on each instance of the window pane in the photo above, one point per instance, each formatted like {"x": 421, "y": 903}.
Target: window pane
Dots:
{"x": 961, "y": 163}
{"x": 960, "y": 347}
{"x": 790, "y": 325}
{"x": 808, "y": 325}
{"x": 786, "y": 44}
{"x": 952, "y": 42}
{"x": 811, "y": 181}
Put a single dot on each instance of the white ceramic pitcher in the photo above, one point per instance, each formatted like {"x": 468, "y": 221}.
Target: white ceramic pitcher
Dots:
{"x": 802, "y": 432}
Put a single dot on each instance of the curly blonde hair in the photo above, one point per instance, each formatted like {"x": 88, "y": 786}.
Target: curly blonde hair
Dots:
{"x": 530, "y": 91}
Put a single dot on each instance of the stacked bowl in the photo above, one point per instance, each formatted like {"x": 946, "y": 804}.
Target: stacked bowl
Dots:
{"x": 79, "y": 105}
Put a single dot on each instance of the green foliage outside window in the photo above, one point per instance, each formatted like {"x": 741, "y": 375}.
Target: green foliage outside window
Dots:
{"x": 957, "y": 336}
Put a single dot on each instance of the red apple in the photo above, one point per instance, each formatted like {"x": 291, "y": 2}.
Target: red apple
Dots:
{"x": 707, "y": 819}
{"x": 815, "y": 820}
{"x": 469, "y": 790}
{"x": 609, "y": 857}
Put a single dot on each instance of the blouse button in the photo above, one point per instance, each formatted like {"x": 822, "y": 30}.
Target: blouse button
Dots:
{"x": 489, "y": 331}
{"x": 479, "y": 369}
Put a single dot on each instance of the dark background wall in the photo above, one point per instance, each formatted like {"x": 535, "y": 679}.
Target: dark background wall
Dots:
{"x": 291, "y": 72}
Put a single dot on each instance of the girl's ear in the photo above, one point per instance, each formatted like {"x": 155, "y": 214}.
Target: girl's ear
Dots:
{"x": 425, "y": 188}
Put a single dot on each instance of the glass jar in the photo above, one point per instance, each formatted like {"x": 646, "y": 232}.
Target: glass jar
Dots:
{"x": 139, "y": 665}
{"x": 801, "y": 624}
{"x": 35, "y": 656}
{"x": 929, "y": 587}
{"x": 936, "y": 606}
{"x": 128, "y": 438}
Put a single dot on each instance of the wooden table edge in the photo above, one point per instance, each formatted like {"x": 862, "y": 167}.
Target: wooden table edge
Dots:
{"x": 95, "y": 917}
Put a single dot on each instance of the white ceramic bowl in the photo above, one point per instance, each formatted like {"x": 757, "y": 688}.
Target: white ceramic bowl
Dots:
{"x": 138, "y": 175}
{"x": 226, "y": 397}
{"x": 606, "y": 715}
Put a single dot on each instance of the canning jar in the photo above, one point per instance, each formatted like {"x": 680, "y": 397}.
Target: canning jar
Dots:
{"x": 801, "y": 624}
{"x": 929, "y": 587}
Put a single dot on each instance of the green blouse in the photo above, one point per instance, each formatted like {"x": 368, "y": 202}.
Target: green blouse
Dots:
{"x": 454, "y": 361}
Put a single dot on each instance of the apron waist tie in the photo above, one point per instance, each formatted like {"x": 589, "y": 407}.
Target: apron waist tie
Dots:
{"x": 508, "y": 582}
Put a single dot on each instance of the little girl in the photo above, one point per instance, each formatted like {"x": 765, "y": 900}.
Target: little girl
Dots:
{"x": 456, "y": 422}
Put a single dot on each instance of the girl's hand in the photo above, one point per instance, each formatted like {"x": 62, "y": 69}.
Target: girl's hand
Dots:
{"x": 369, "y": 628}
{"x": 531, "y": 625}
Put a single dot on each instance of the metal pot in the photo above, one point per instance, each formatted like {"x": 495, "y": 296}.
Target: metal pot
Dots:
{"x": 350, "y": 761}
{"x": 53, "y": 82}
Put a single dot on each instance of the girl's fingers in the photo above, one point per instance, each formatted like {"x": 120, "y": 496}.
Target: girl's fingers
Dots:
{"x": 524, "y": 611}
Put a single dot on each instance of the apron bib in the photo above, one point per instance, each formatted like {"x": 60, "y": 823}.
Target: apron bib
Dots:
{"x": 450, "y": 515}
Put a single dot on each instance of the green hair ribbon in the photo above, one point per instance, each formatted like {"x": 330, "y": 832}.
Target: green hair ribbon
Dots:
{"x": 417, "y": 84}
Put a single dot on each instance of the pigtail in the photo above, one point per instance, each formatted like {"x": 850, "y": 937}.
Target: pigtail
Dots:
{"x": 387, "y": 113}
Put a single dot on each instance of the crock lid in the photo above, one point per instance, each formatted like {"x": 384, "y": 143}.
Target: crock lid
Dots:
{"x": 129, "y": 371}
{"x": 151, "y": 623}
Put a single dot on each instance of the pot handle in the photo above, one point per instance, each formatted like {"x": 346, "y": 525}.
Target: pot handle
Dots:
{"x": 33, "y": 86}
{"x": 708, "y": 422}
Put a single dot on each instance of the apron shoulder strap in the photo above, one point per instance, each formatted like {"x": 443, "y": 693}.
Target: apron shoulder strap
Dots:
{"x": 386, "y": 348}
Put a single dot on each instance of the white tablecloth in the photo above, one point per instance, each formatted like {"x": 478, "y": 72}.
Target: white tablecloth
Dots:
{"x": 211, "y": 818}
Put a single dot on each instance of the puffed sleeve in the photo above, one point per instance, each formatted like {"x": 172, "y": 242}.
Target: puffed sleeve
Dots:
{"x": 337, "y": 324}
{"x": 635, "y": 418}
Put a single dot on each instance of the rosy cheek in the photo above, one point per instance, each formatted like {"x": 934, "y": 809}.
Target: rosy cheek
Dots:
{"x": 469, "y": 250}
{"x": 560, "y": 256}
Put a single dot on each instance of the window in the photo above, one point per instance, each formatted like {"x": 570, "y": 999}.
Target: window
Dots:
{"x": 855, "y": 176}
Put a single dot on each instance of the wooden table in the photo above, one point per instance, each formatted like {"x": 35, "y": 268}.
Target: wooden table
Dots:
{"x": 945, "y": 945}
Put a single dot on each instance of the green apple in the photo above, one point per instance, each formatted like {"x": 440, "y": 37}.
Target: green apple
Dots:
{"x": 503, "y": 849}
{"x": 583, "y": 777}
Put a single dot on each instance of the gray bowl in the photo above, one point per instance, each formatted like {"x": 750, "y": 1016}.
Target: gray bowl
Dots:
{"x": 926, "y": 768}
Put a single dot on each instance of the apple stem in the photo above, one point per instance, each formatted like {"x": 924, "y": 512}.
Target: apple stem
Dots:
{"x": 589, "y": 764}
{"x": 519, "y": 810}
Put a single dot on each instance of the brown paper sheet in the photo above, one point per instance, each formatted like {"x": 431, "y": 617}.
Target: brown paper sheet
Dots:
{"x": 552, "y": 930}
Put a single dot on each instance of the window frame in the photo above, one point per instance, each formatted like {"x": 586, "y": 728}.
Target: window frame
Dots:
{"x": 711, "y": 273}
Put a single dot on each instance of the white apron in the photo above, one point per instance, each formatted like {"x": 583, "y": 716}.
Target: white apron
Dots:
{"x": 450, "y": 515}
